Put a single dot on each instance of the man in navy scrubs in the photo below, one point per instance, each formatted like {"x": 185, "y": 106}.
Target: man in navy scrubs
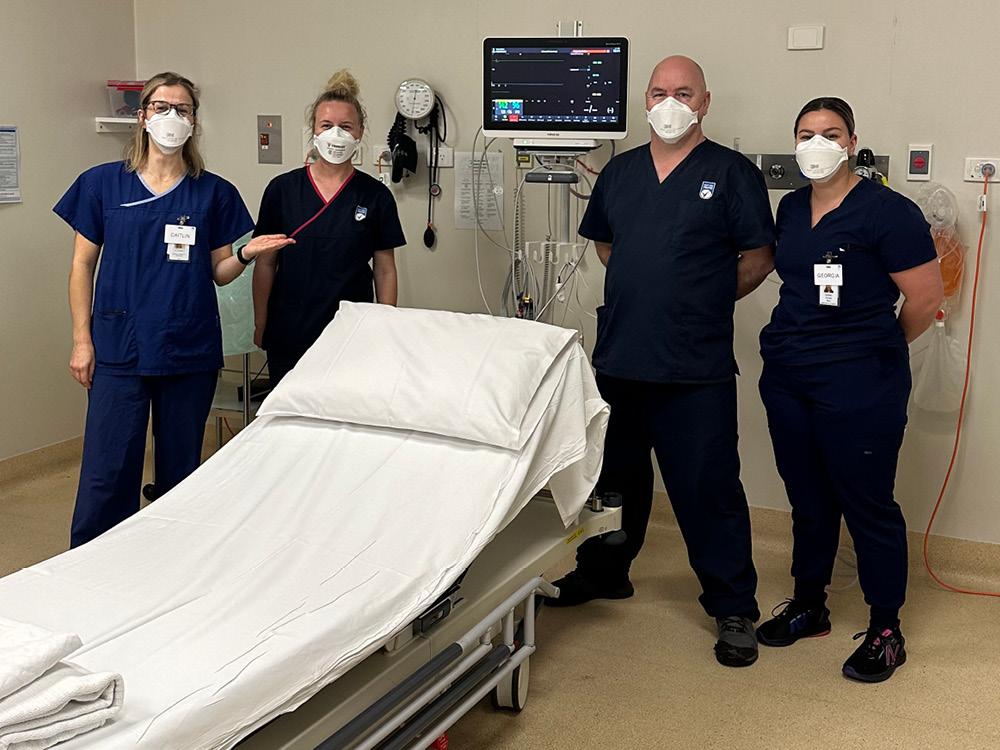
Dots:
{"x": 684, "y": 227}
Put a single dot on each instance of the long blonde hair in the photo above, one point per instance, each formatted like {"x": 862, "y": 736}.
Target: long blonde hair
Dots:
{"x": 342, "y": 87}
{"x": 137, "y": 150}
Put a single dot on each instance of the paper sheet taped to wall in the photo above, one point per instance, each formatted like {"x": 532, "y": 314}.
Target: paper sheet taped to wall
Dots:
{"x": 10, "y": 165}
{"x": 479, "y": 188}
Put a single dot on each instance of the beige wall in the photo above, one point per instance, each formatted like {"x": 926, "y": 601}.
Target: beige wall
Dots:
{"x": 903, "y": 65}
{"x": 55, "y": 56}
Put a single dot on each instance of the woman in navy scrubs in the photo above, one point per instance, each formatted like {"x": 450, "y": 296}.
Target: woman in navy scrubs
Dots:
{"x": 836, "y": 380}
{"x": 345, "y": 227}
{"x": 148, "y": 334}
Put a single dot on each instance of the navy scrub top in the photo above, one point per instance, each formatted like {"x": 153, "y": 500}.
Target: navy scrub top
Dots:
{"x": 874, "y": 232}
{"x": 670, "y": 285}
{"x": 152, "y": 316}
{"x": 329, "y": 261}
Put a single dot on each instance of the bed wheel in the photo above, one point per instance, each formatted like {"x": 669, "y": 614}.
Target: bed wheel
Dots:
{"x": 511, "y": 693}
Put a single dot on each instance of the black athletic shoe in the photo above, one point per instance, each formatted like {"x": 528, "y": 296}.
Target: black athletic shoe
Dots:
{"x": 794, "y": 621}
{"x": 878, "y": 656}
{"x": 576, "y": 588}
{"x": 737, "y": 644}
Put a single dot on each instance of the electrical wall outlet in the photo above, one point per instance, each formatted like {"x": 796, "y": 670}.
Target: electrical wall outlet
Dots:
{"x": 974, "y": 168}
{"x": 381, "y": 156}
{"x": 446, "y": 156}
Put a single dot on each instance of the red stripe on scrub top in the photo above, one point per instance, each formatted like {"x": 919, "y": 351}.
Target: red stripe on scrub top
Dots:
{"x": 326, "y": 205}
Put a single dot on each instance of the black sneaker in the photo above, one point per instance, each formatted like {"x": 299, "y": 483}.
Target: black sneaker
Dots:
{"x": 878, "y": 656}
{"x": 795, "y": 621}
{"x": 576, "y": 588}
{"x": 737, "y": 644}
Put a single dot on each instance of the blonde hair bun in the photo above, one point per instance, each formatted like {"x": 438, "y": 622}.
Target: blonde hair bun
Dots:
{"x": 342, "y": 87}
{"x": 342, "y": 83}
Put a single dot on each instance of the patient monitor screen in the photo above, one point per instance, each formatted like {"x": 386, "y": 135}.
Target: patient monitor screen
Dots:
{"x": 569, "y": 84}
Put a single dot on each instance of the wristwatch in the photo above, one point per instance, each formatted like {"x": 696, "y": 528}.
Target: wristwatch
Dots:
{"x": 240, "y": 258}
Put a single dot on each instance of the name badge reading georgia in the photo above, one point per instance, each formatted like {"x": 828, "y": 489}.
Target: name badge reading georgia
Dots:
{"x": 828, "y": 274}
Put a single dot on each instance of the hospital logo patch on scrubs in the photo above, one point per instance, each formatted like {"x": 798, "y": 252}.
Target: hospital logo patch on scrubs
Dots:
{"x": 360, "y": 213}
{"x": 707, "y": 190}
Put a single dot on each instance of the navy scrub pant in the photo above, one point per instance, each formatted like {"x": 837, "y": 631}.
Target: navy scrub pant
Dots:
{"x": 279, "y": 364}
{"x": 114, "y": 442}
{"x": 692, "y": 430}
{"x": 837, "y": 429}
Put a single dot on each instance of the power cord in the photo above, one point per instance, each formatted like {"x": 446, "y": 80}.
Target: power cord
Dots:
{"x": 987, "y": 173}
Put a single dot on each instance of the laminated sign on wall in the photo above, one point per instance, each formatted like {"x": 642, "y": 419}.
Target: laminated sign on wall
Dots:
{"x": 10, "y": 165}
{"x": 479, "y": 190}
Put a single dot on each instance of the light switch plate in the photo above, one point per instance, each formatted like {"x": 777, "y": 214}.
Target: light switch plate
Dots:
{"x": 269, "y": 139}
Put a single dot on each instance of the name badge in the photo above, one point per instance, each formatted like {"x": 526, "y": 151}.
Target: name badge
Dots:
{"x": 179, "y": 234}
{"x": 179, "y": 253}
{"x": 829, "y": 296}
{"x": 828, "y": 274}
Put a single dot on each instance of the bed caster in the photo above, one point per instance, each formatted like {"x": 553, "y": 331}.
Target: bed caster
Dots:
{"x": 511, "y": 693}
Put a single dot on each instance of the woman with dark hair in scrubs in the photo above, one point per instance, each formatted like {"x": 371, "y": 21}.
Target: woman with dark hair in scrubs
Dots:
{"x": 345, "y": 226}
{"x": 836, "y": 380}
{"x": 148, "y": 334}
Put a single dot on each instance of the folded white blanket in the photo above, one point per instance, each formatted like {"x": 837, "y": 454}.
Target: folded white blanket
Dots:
{"x": 43, "y": 700}
{"x": 27, "y": 651}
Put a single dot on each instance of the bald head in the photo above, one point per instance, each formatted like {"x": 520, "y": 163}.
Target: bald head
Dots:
{"x": 682, "y": 79}
{"x": 678, "y": 71}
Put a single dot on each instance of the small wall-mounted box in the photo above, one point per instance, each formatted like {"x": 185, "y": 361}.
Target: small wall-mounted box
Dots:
{"x": 806, "y": 37}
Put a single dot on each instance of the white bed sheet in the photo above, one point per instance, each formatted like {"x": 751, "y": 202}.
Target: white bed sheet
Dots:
{"x": 288, "y": 558}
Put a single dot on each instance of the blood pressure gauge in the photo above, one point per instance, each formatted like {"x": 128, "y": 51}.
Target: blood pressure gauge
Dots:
{"x": 414, "y": 99}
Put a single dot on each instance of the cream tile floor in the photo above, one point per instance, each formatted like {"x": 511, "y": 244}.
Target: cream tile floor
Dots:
{"x": 641, "y": 674}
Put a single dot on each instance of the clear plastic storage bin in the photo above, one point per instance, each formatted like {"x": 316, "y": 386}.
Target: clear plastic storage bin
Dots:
{"x": 123, "y": 96}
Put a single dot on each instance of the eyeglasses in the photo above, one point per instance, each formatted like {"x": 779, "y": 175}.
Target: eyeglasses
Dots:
{"x": 161, "y": 107}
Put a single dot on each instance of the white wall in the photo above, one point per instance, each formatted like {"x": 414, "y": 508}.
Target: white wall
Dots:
{"x": 903, "y": 65}
{"x": 55, "y": 57}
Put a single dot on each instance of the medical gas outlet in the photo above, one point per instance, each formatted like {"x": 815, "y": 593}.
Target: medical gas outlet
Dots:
{"x": 974, "y": 168}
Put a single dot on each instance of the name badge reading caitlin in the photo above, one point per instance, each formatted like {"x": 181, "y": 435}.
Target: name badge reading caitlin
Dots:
{"x": 179, "y": 239}
{"x": 179, "y": 234}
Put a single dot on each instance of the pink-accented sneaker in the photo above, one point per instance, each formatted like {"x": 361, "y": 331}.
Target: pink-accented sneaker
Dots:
{"x": 881, "y": 653}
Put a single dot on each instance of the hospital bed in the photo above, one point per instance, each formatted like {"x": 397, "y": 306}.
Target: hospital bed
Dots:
{"x": 400, "y": 694}
{"x": 393, "y": 476}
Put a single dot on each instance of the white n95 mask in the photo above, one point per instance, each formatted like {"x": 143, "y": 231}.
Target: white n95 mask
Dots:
{"x": 335, "y": 145}
{"x": 169, "y": 131}
{"x": 819, "y": 158}
{"x": 671, "y": 119}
